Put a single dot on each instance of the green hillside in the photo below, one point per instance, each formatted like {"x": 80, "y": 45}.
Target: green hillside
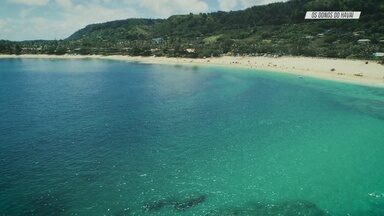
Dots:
{"x": 276, "y": 29}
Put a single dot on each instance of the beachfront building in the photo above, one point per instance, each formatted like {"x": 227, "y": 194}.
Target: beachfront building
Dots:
{"x": 190, "y": 50}
{"x": 378, "y": 54}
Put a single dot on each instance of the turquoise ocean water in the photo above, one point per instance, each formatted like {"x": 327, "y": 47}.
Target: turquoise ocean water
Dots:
{"x": 93, "y": 137}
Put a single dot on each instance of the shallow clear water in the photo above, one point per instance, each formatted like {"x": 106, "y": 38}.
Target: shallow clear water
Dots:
{"x": 92, "y": 137}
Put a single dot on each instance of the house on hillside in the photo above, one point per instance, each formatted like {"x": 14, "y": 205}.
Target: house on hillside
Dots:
{"x": 363, "y": 41}
{"x": 357, "y": 33}
{"x": 158, "y": 40}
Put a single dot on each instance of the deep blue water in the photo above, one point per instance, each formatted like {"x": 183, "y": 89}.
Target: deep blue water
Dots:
{"x": 93, "y": 137}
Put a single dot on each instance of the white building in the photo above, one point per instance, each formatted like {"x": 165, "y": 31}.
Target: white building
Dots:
{"x": 378, "y": 54}
{"x": 190, "y": 50}
{"x": 364, "y": 41}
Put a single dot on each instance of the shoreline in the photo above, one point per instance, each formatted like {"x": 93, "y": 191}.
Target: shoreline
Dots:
{"x": 341, "y": 70}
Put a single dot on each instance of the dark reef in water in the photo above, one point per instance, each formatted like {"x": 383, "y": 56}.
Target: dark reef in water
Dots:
{"x": 90, "y": 172}
{"x": 365, "y": 106}
{"x": 376, "y": 205}
{"x": 46, "y": 204}
{"x": 89, "y": 177}
{"x": 180, "y": 204}
{"x": 286, "y": 208}
{"x": 189, "y": 202}
{"x": 123, "y": 212}
{"x": 157, "y": 205}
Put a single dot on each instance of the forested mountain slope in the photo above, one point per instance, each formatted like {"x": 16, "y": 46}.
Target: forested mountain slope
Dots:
{"x": 277, "y": 28}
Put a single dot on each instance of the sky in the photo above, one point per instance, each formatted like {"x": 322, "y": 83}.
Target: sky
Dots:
{"x": 58, "y": 19}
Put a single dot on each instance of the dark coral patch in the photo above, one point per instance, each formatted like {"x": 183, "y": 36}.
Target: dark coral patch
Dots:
{"x": 46, "y": 204}
{"x": 286, "y": 208}
{"x": 189, "y": 202}
{"x": 179, "y": 204}
{"x": 157, "y": 205}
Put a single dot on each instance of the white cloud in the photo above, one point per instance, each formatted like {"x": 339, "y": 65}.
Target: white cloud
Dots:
{"x": 61, "y": 18}
{"x": 30, "y": 2}
{"x": 165, "y": 8}
{"x": 3, "y": 23}
{"x": 17, "y": 29}
{"x": 25, "y": 12}
{"x": 75, "y": 17}
{"x": 227, "y": 5}
{"x": 67, "y": 4}
{"x": 250, "y": 3}
{"x": 70, "y": 18}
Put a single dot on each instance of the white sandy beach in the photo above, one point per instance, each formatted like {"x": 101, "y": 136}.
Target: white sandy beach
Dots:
{"x": 344, "y": 70}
